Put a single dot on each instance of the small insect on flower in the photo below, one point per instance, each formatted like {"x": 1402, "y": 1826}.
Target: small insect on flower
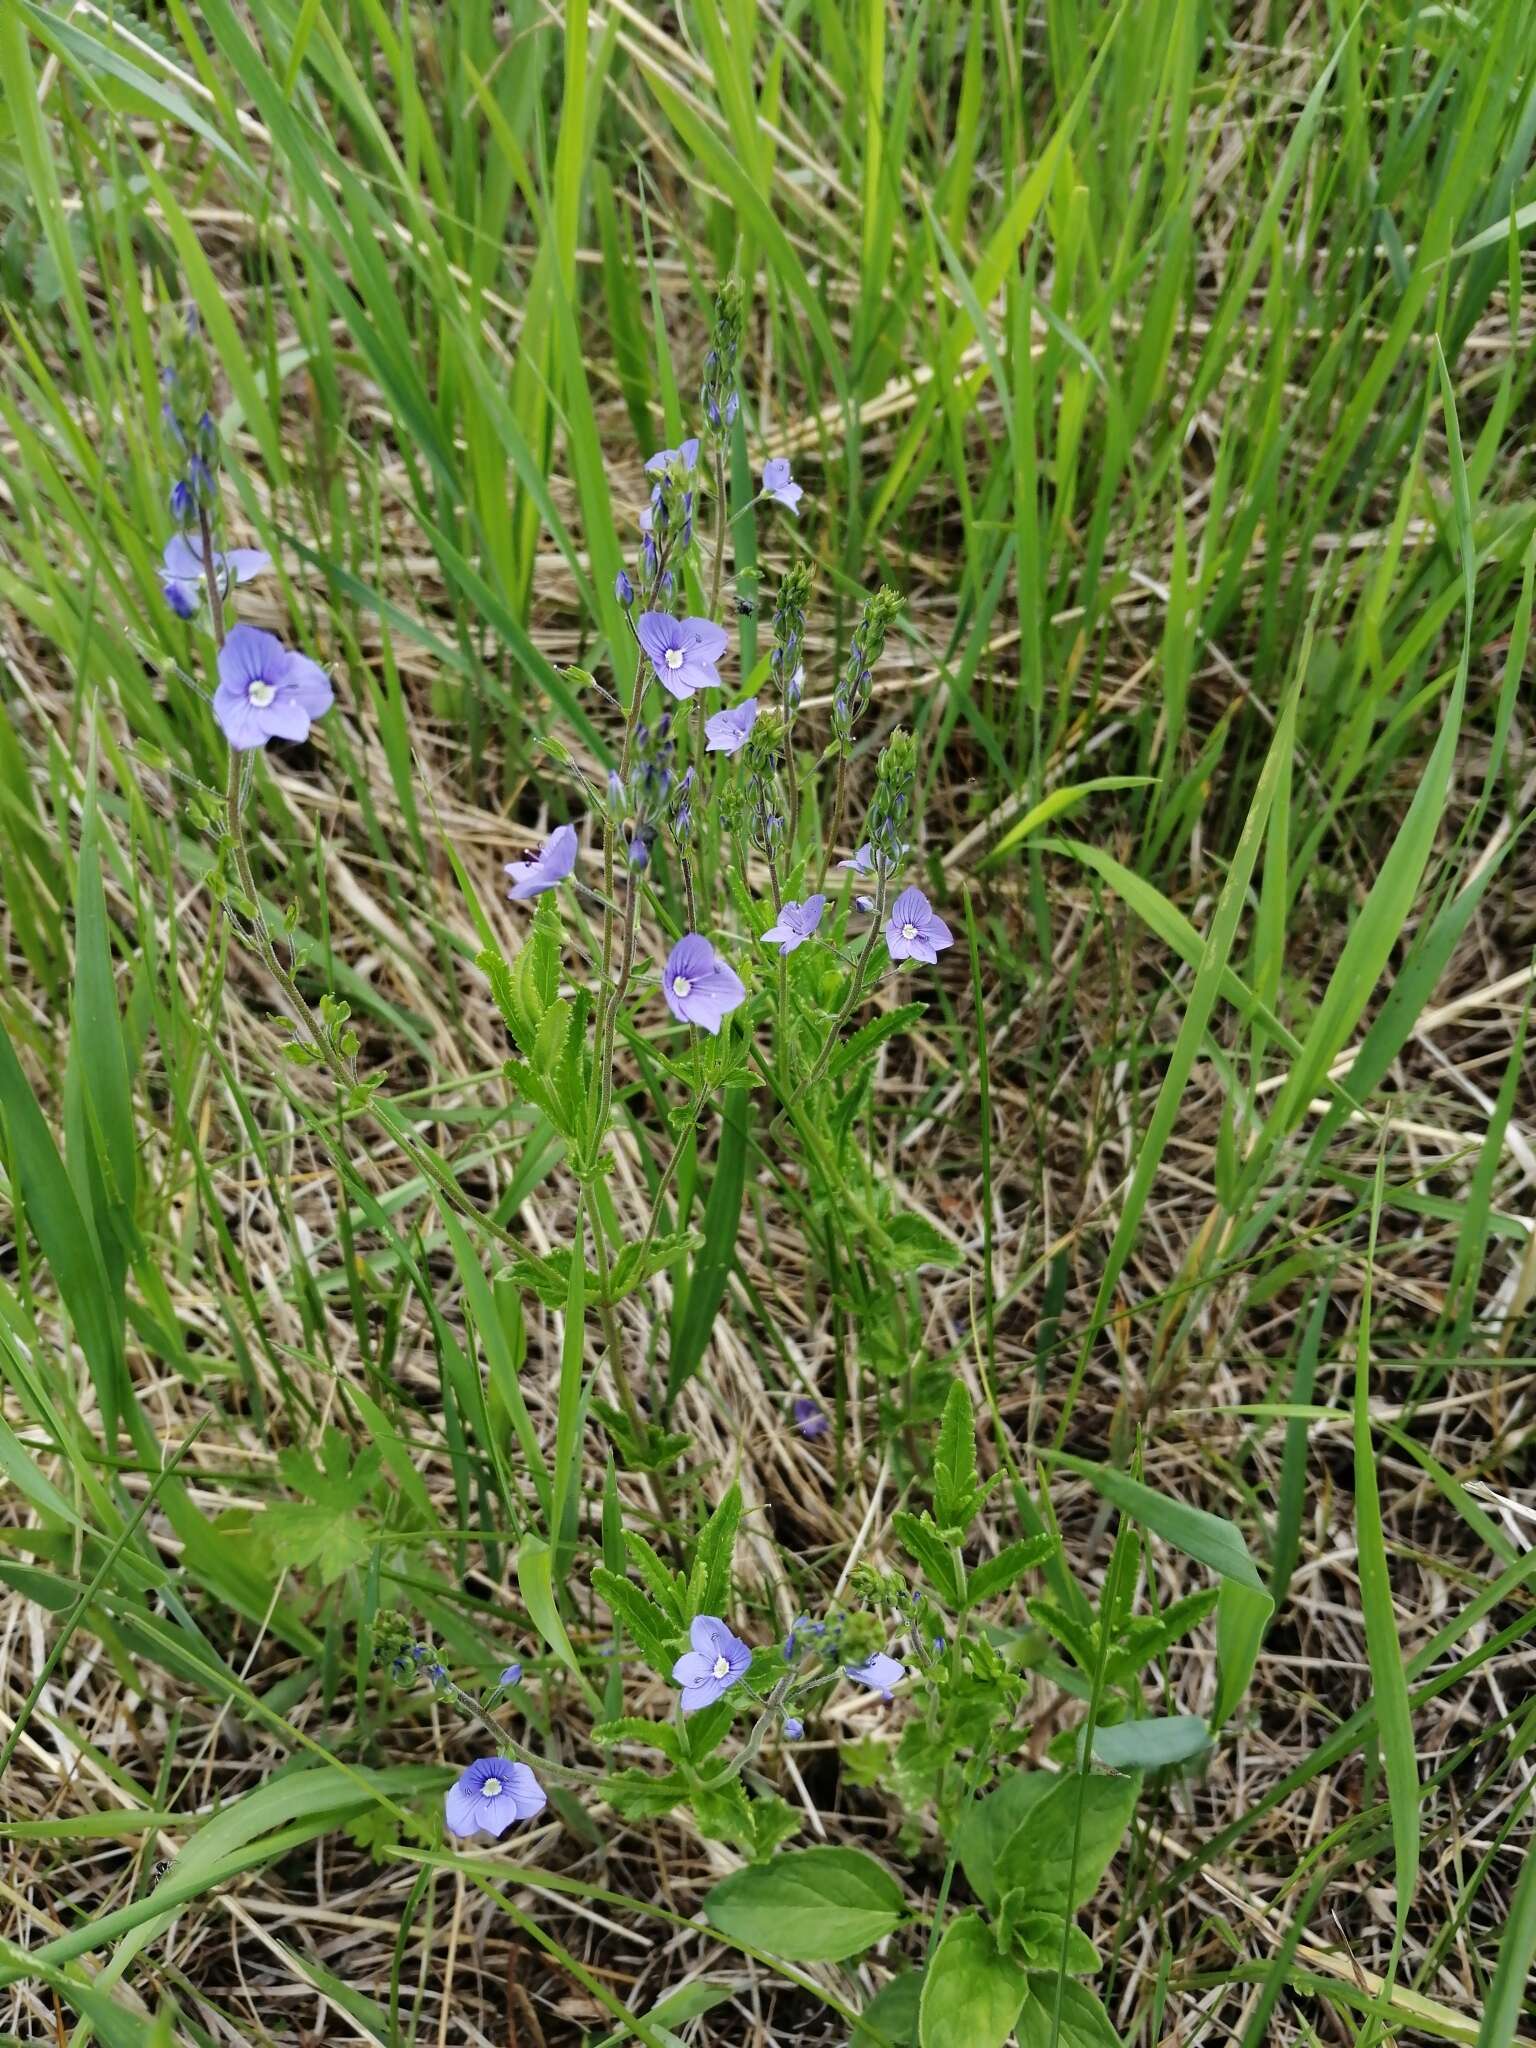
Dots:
{"x": 683, "y": 652}
{"x": 795, "y": 924}
{"x": 490, "y": 1796}
{"x": 914, "y": 931}
{"x": 698, "y": 985}
{"x": 181, "y": 572}
{"x": 717, "y": 1660}
{"x": 878, "y": 1672}
{"x": 266, "y": 691}
{"x": 810, "y": 1418}
{"x": 779, "y": 485}
{"x": 545, "y": 869}
{"x": 728, "y": 731}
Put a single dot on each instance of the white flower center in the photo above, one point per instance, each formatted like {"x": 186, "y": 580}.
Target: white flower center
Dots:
{"x": 722, "y": 1667}
{"x": 491, "y": 1789}
{"x": 909, "y": 931}
{"x": 673, "y": 657}
{"x": 682, "y": 987}
{"x": 261, "y": 695}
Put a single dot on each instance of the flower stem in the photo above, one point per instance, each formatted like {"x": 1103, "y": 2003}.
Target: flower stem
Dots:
{"x": 856, "y": 986}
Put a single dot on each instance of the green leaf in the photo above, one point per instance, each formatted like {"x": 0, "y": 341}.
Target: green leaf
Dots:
{"x": 956, "y": 1494}
{"x": 890, "y": 2018}
{"x": 1060, "y": 800}
{"x": 995, "y": 1575}
{"x": 990, "y": 1824}
{"x": 972, "y": 1994}
{"x": 1245, "y": 1605}
{"x": 1084, "y": 2022}
{"x": 918, "y": 1535}
{"x": 1384, "y": 1648}
{"x": 712, "y": 1269}
{"x": 869, "y": 1035}
{"x": 535, "y": 1581}
{"x": 915, "y": 1242}
{"x": 1151, "y": 1745}
{"x": 709, "y": 1583}
{"x": 640, "y": 1795}
{"x": 811, "y": 1905}
{"x": 651, "y": 1633}
{"x": 639, "y": 1262}
{"x": 660, "y": 1735}
{"x": 301, "y": 1535}
{"x": 1511, "y": 1975}
{"x": 1067, "y": 1840}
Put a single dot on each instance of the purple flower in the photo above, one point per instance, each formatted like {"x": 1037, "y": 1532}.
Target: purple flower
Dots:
{"x": 796, "y": 923}
{"x": 793, "y": 1729}
{"x": 878, "y": 1672}
{"x": 810, "y": 1418}
{"x": 181, "y": 571}
{"x": 727, "y": 731}
{"x": 864, "y": 903}
{"x": 698, "y": 985}
{"x": 544, "y": 869}
{"x": 714, "y": 1664}
{"x": 511, "y": 1676}
{"x": 779, "y": 485}
{"x": 266, "y": 691}
{"x": 804, "y": 1626}
{"x": 663, "y": 459}
{"x": 623, "y": 590}
{"x": 683, "y": 652}
{"x": 490, "y": 1795}
{"x": 913, "y": 931}
{"x": 863, "y": 861}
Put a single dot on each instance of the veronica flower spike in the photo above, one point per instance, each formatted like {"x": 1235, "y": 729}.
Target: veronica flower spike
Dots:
{"x": 698, "y": 985}
{"x": 779, "y": 485}
{"x": 914, "y": 931}
{"x": 492, "y": 1794}
{"x": 728, "y": 731}
{"x": 181, "y": 572}
{"x": 683, "y": 652}
{"x": 796, "y": 923}
{"x": 687, "y": 455}
{"x": 266, "y": 691}
{"x": 544, "y": 869}
{"x": 878, "y": 1672}
{"x": 717, "y": 1660}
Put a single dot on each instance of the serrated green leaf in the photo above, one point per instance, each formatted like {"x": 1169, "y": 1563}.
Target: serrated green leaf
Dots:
{"x": 995, "y": 1575}
{"x": 868, "y": 1036}
{"x": 955, "y": 1491}
{"x": 919, "y": 1537}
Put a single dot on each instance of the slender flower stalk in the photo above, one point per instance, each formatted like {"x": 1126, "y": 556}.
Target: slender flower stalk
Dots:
{"x": 855, "y": 988}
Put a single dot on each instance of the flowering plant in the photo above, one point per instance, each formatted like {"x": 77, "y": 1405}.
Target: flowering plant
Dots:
{"x": 725, "y": 917}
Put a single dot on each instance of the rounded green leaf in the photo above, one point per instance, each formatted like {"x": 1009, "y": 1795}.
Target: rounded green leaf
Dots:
{"x": 971, "y": 1994}
{"x": 813, "y": 1905}
{"x": 1151, "y": 1745}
